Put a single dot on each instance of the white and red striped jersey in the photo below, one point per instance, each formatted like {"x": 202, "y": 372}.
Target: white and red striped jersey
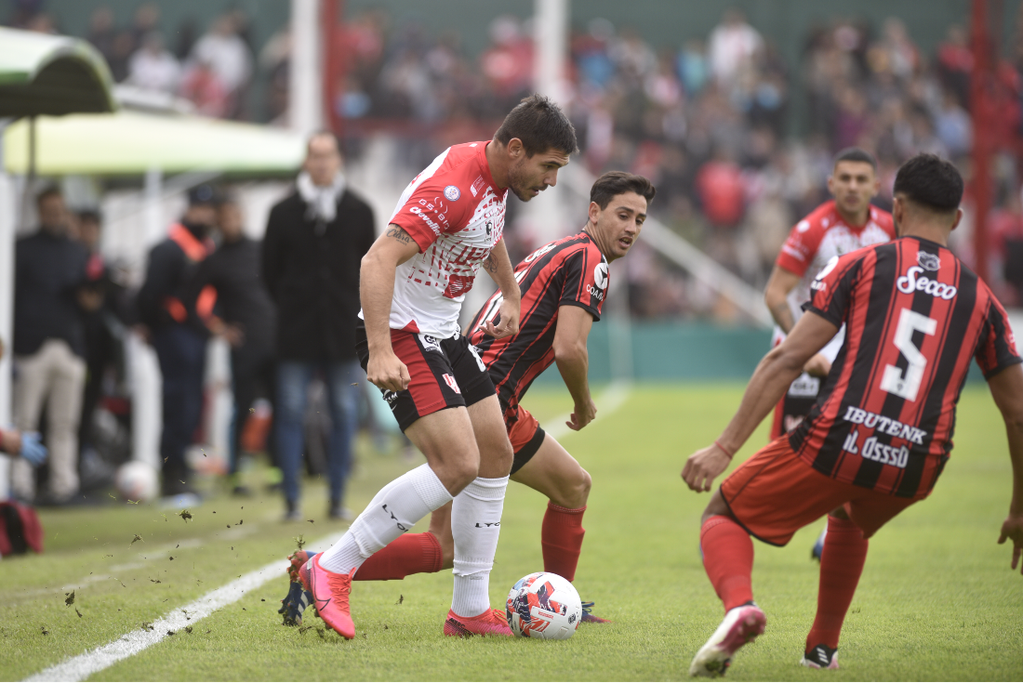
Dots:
{"x": 455, "y": 213}
{"x": 813, "y": 242}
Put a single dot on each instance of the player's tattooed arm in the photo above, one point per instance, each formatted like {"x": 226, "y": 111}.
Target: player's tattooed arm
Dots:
{"x": 490, "y": 263}
{"x": 397, "y": 233}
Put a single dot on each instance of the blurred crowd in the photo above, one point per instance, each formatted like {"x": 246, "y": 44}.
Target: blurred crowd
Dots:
{"x": 738, "y": 141}
{"x": 737, "y": 160}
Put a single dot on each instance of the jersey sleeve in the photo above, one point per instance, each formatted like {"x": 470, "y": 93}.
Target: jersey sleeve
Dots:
{"x": 428, "y": 213}
{"x": 586, "y": 277}
{"x": 996, "y": 348}
{"x": 800, "y": 246}
{"x": 831, "y": 291}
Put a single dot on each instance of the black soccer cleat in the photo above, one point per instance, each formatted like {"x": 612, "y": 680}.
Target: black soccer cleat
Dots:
{"x": 821, "y": 657}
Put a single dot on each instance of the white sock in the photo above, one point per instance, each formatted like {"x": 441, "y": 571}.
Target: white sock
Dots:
{"x": 392, "y": 512}
{"x": 476, "y": 526}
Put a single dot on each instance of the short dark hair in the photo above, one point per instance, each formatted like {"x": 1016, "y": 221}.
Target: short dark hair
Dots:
{"x": 46, "y": 193}
{"x": 930, "y": 181}
{"x": 540, "y": 124}
{"x": 856, "y": 154}
{"x": 614, "y": 183}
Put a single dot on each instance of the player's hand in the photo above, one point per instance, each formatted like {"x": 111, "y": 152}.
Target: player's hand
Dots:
{"x": 1012, "y": 528}
{"x": 387, "y": 372}
{"x": 10, "y": 441}
{"x": 583, "y": 415}
{"x": 704, "y": 466}
{"x": 817, "y": 366}
{"x": 233, "y": 335}
{"x": 32, "y": 449}
{"x": 507, "y": 320}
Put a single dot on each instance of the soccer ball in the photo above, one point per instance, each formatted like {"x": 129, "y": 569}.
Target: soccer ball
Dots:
{"x": 136, "y": 481}
{"x": 544, "y": 605}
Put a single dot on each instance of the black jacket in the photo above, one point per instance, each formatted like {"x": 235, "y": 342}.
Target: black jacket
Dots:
{"x": 170, "y": 275}
{"x": 48, "y": 271}
{"x": 233, "y": 270}
{"x": 312, "y": 272}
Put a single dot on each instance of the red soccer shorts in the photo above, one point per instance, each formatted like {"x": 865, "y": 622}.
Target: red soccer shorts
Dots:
{"x": 774, "y": 494}
{"x": 525, "y": 435}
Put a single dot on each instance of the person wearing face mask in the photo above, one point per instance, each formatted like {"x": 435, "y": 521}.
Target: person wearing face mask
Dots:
{"x": 173, "y": 321}
{"x": 48, "y": 348}
{"x": 312, "y": 252}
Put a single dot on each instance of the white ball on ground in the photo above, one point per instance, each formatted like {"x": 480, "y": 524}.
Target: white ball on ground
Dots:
{"x": 137, "y": 481}
{"x": 544, "y": 605}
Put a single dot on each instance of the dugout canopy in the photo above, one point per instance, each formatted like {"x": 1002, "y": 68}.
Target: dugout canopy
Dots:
{"x": 53, "y": 75}
{"x": 129, "y": 143}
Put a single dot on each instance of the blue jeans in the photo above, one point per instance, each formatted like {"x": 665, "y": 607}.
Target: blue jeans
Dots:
{"x": 182, "y": 354}
{"x": 293, "y": 379}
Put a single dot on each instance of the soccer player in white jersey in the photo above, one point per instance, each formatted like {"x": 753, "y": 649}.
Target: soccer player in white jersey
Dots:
{"x": 838, "y": 226}
{"x": 448, "y": 222}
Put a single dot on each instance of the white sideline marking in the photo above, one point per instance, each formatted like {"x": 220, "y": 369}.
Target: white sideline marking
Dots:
{"x": 610, "y": 400}
{"x": 81, "y": 667}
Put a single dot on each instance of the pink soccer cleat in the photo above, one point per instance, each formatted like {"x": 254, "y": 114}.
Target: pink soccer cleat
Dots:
{"x": 493, "y": 622}
{"x": 330, "y": 595}
{"x": 740, "y": 626}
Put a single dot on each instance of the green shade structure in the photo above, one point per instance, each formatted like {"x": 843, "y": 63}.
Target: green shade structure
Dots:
{"x": 51, "y": 75}
{"x": 131, "y": 143}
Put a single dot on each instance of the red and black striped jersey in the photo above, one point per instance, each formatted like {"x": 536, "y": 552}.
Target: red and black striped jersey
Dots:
{"x": 569, "y": 272}
{"x": 915, "y": 315}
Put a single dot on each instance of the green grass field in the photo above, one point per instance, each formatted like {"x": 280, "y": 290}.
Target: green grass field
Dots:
{"x": 937, "y": 600}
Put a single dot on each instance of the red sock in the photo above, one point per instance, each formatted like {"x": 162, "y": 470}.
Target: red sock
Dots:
{"x": 845, "y": 551}
{"x": 407, "y": 554}
{"x": 561, "y": 538}
{"x": 728, "y": 560}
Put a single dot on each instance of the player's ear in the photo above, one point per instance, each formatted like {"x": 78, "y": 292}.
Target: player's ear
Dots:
{"x": 959, "y": 217}
{"x": 594, "y": 212}
{"x": 515, "y": 148}
{"x": 898, "y": 209}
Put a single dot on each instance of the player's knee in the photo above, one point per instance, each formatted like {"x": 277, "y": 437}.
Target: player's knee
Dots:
{"x": 573, "y": 492}
{"x": 716, "y": 506}
{"x": 461, "y": 475}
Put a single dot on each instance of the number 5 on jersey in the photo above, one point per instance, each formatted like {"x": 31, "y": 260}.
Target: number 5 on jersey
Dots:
{"x": 893, "y": 381}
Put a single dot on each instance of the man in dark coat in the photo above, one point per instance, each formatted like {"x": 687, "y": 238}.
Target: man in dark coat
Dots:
{"x": 49, "y": 271}
{"x": 176, "y": 328}
{"x": 312, "y": 253}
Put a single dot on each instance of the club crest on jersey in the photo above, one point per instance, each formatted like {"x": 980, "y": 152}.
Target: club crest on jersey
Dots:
{"x": 477, "y": 186}
{"x": 450, "y": 381}
{"x": 913, "y": 281}
{"x": 452, "y": 193}
{"x": 490, "y": 228}
{"x": 928, "y": 261}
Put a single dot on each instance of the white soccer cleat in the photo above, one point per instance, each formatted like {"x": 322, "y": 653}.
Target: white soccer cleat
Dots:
{"x": 740, "y": 626}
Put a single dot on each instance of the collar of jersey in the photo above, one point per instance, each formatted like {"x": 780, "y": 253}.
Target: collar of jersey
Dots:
{"x": 481, "y": 159}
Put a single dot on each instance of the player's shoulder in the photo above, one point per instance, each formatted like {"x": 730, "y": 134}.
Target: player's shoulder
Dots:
{"x": 818, "y": 220}
{"x": 564, "y": 248}
{"x": 458, "y": 163}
